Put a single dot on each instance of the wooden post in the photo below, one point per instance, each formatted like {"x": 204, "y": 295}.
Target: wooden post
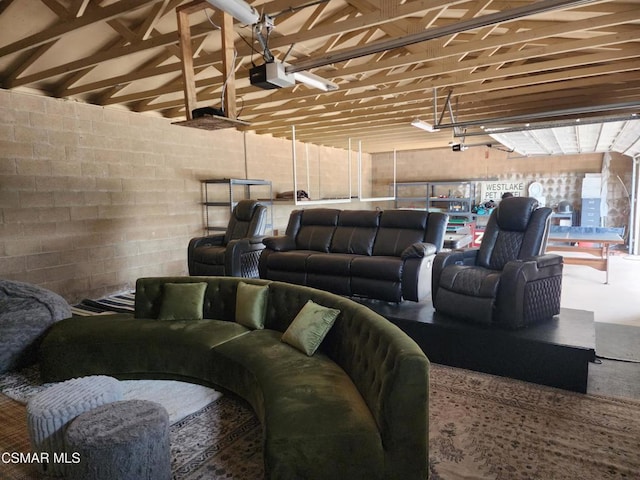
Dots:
{"x": 228, "y": 65}
{"x": 184, "y": 32}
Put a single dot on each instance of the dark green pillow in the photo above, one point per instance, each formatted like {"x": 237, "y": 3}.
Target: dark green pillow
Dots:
{"x": 310, "y": 326}
{"x": 251, "y": 305}
{"x": 182, "y": 301}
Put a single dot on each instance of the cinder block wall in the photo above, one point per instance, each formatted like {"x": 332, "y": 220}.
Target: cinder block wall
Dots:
{"x": 92, "y": 198}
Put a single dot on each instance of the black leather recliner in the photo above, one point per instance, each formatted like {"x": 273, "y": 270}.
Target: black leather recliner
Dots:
{"x": 508, "y": 281}
{"x": 236, "y": 252}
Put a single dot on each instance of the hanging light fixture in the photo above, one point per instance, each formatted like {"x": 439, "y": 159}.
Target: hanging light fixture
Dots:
{"x": 424, "y": 125}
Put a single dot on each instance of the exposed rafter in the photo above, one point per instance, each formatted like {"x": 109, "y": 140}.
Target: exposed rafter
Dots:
{"x": 577, "y": 56}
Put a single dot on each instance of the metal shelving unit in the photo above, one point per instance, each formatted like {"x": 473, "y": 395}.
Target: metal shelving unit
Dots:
{"x": 247, "y": 188}
{"x": 455, "y": 198}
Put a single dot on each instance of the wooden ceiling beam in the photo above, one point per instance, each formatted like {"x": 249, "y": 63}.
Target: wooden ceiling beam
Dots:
{"x": 327, "y": 29}
{"x": 56, "y": 31}
{"x": 103, "y": 56}
{"x": 489, "y": 43}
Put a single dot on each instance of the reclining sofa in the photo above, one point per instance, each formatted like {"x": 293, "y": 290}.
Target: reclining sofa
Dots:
{"x": 357, "y": 408}
{"x": 386, "y": 255}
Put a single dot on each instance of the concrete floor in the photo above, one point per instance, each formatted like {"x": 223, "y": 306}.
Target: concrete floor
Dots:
{"x": 617, "y": 302}
{"x": 583, "y": 288}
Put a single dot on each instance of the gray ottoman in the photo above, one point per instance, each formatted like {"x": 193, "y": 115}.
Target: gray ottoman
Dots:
{"x": 126, "y": 440}
{"x": 49, "y": 411}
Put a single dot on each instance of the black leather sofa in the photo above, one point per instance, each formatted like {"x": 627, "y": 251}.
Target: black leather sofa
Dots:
{"x": 385, "y": 255}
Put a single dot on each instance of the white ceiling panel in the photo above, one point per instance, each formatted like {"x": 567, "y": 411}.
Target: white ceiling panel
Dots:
{"x": 616, "y": 136}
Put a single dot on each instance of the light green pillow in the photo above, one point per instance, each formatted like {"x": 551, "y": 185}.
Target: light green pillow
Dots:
{"x": 251, "y": 305}
{"x": 182, "y": 301}
{"x": 310, "y": 326}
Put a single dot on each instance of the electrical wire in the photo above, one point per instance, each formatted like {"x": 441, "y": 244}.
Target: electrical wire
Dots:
{"x": 211, "y": 21}
{"x": 226, "y": 80}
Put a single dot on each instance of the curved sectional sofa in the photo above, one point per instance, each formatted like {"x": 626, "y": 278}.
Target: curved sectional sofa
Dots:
{"x": 357, "y": 408}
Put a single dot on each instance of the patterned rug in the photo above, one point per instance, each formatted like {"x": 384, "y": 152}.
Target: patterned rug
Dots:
{"x": 481, "y": 427}
{"x": 118, "y": 303}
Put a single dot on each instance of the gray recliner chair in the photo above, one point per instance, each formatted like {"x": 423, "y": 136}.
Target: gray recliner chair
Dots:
{"x": 236, "y": 252}
{"x": 508, "y": 281}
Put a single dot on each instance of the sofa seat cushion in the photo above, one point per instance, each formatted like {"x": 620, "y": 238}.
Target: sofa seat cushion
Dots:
{"x": 122, "y": 345}
{"x": 380, "y": 268}
{"x": 330, "y": 263}
{"x": 292, "y": 261}
{"x": 209, "y": 254}
{"x": 470, "y": 280}
{"x": 309, "y": 408}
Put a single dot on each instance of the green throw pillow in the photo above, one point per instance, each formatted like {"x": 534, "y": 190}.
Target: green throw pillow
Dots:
{"x": 251, "y": 305}
{"x": 182, "y": 301}
{"x": 310, "y": 326}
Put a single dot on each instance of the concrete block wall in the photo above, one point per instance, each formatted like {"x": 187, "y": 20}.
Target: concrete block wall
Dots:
{"x": 93, "y": 198}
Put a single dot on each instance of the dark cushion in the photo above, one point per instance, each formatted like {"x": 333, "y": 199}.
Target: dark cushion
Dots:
{"x": 379, "y": 268}
{"x": 399, "y": 229}
{"x": 471, "y": 281}
{"x": 330, "y": 263}
{"x": 210, "y": 255}
{"x": 393, "y": 241}
{"x": 245, "y": 209}
{"x": 316, "y": 229}
{"x": 293, "y": 261}
{"x": 411, "y": 219}
{"x": 514, "y": 213}
{"x": 356, "y": 232}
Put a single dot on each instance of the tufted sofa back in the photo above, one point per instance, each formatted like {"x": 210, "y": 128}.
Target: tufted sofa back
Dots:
{"x": 389, "y": 369}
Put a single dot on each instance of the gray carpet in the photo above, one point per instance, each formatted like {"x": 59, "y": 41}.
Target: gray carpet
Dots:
{"x": 617, "y": 342}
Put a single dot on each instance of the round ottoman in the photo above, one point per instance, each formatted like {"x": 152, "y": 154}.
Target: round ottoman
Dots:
{"x": 126, "y": 440}
{"x": 49, "y": 411}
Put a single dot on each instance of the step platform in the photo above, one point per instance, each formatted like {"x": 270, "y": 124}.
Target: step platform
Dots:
{"x": 556, "y": 353}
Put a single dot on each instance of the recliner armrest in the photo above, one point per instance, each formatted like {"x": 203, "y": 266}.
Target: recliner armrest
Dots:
{"x": 234, "y": 252}
{"x": 463, "y": 256}
{"x": 258, "y": 239}
{"x": 210, "y": 240}
{"x": 281, "y": 243}
{"x": 418, "y": 250}
{"x": 546, "y": 260}
{"x": 529, "y": 290}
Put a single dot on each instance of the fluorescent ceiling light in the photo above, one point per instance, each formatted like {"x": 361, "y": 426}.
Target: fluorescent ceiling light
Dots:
{"x": 424, "y": 125}
{"x": 238, "y": 9}
{"x": 315, "y": 81}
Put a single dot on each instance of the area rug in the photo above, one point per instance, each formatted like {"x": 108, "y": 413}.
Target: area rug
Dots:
{"x": 117, "y": 303}
{"x": 481, "y": 427}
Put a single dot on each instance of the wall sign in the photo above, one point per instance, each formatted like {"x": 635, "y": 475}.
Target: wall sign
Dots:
{"x": 493, "y": 190}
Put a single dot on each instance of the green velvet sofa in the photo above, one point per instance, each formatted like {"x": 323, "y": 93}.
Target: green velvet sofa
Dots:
{"x": 356, "y": 409}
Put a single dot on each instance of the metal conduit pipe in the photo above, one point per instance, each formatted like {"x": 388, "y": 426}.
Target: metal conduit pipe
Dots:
{"x": 438, "y": 32}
